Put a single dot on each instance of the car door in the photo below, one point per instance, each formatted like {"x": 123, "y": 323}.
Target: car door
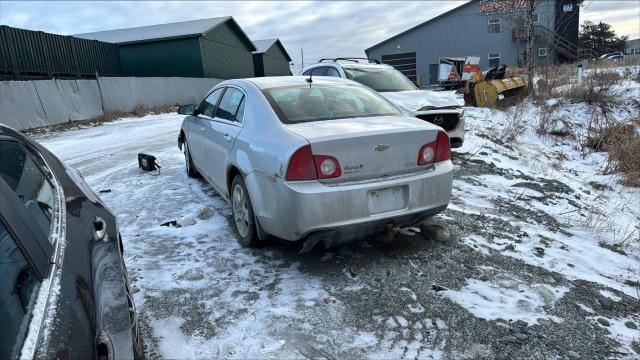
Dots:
{"x": 199, "y": 124}
{"x": 26, "y": 207}
{"x": 222, "y": 133}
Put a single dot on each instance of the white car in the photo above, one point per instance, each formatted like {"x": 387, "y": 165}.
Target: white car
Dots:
{"x": 437, "y": 107}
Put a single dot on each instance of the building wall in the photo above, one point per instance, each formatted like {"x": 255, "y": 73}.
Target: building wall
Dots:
{"x": 224, "y": 54}
{"x": 275, "y": 63}
{"x": 464, "y": 32}
{"x": 178, "y": 57}
{"x": 633, "y": 47}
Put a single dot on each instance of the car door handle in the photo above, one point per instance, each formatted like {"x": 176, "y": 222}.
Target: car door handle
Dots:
{"x": 201, "y": 128}
{"x": 227, "y": 137}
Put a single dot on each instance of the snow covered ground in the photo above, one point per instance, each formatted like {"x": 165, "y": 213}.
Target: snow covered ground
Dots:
{"x": 526, "y": 262}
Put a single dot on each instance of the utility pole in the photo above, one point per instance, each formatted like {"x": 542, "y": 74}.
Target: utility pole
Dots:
{"x": 530, "y": 36}
{"x": 301, "y": 59}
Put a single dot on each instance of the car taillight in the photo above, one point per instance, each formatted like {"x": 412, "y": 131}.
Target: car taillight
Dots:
{"x": 301, "y": 166}
{"x": 306, "y": 166}
{"x": 327, "y": 166}
{"x": 443, "y": 152}
{"x": 439, "y": 150}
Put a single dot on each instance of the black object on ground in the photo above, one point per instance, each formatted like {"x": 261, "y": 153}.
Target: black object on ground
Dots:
{"x": 147, "y": 162}
{"x": 172, "y": 223}
{"x": 438, "y": 288}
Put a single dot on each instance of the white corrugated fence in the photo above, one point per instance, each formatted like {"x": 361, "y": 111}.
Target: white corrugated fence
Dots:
{"x": 35, "y": 103}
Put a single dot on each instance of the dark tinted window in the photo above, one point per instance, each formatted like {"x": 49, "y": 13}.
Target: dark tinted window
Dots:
{"x": 24, "y": 176}
{"x": 331, "y": 71}
{"x": 208, "y": 106}
{"x": 307, "y": 72}
{"x": 229, "y": 104}
{"x": 319, "y": 71}
{"x": 18, "y": 292}
{"x": 295, "y": 104}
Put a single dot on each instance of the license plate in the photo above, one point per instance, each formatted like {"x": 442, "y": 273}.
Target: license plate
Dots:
{"x": 386, "y": 200}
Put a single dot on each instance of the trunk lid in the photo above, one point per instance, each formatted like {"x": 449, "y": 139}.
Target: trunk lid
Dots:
{"x": 369, "y": 148}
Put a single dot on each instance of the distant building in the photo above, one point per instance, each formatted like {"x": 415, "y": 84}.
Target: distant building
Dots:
{"x": 270, "y": 58}
{"x": 493, "y": 30}
{"x": 633, "y": 47}
{"x": 212, "y": 48}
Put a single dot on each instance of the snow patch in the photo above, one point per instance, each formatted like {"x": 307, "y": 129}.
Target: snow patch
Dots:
{"x": 508, "y": 300}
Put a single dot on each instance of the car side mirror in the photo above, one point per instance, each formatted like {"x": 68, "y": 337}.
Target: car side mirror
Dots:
{"x": 186, "y": 110}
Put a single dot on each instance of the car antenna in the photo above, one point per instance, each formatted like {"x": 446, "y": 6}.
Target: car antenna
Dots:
{"x": 310, "y": 79}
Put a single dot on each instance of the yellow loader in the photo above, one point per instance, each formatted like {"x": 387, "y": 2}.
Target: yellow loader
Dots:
{"x": 485, "y": 90}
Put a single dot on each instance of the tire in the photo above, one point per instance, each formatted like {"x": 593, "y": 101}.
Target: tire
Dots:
{"x": 243, "y": 216}
{"x": 188, "y": 162}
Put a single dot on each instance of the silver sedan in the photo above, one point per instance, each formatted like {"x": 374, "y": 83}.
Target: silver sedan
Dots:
{"x": 321, "y": 159}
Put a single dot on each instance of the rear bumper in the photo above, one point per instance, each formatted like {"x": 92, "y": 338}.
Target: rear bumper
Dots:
{"x": 361, "y": 231}
{"x": 307, "y": 207}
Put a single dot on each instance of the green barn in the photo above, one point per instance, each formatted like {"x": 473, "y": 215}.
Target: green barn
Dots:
{"x": 210, "y": 48}
{"x": 271, "y": 58}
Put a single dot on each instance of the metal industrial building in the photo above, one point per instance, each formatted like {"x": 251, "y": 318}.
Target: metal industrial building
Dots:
{"x": 493, "y": 30}
{"x": 212, "y": 48}
{"x": 271, "y": 58}
{"x": 27, "y": 54}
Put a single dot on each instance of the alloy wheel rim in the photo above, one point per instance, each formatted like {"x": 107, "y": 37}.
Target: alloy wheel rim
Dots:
{"x": 240, "y": 211}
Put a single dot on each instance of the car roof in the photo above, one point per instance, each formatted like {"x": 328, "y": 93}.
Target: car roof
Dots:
{"x": 277, "y": 81}
{"x": 350, "y": 65}
{"x": 365, "y": 66}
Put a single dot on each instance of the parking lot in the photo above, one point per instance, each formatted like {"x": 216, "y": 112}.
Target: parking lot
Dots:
{"x": 501, "y": 274}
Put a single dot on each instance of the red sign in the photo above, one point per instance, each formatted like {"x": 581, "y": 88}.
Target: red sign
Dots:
{"x": 500, "y": 6}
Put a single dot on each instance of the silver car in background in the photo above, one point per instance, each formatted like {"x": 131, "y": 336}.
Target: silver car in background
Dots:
{"x": 321, "y": 159}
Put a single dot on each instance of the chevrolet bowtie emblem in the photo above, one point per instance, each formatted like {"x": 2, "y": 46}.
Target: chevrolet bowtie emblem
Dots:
{"x": 381, "y": 147}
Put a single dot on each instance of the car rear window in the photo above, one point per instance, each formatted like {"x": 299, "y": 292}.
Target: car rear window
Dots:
{"x": 304, "y": 103}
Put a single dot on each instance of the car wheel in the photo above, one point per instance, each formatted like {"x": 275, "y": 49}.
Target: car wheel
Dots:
{"x": 191, "y": 169}
{"x": 243, "y": 213}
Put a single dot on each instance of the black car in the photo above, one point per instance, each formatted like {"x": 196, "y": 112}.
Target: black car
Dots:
{"x": 64, "y": 290}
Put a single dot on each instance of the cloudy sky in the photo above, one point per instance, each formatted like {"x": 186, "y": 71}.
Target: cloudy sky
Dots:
{"x": 322, "y": 29}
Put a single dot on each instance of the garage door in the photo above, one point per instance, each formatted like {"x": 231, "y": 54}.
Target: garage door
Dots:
{"x": 405, "y": 63}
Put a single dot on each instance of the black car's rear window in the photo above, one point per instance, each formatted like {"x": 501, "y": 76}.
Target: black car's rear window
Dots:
{"x": 315, "y": 102}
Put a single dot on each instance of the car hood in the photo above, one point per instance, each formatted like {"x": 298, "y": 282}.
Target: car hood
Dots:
{"x": 414, "y": 100}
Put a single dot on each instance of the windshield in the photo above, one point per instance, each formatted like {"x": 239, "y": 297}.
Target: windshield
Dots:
{"x": 295, "y": 104}
{"x": 381, "y": 80}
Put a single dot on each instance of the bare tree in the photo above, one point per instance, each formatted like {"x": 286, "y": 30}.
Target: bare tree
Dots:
{"x": 530, "y": 37}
